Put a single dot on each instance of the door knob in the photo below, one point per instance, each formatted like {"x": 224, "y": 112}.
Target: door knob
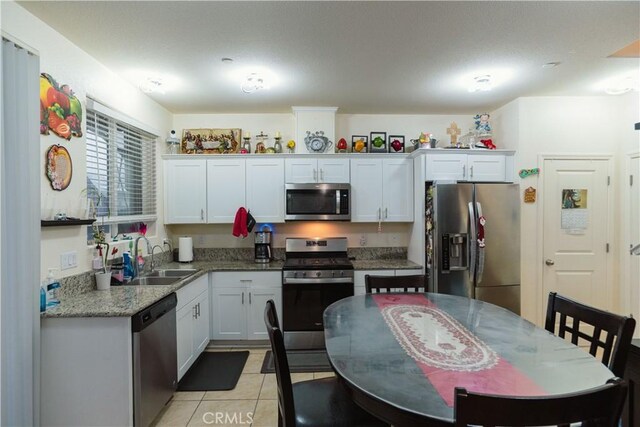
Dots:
{"x": 549, "y": 262}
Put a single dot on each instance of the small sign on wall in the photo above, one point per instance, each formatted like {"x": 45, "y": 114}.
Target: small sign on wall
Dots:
{"x": 530, "y": 195}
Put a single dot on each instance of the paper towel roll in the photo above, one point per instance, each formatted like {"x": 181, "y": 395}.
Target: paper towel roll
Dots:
{"x": 185, "y": 249}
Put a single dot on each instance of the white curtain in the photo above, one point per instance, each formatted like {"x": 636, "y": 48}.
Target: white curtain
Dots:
{"x": 20, "y": 168}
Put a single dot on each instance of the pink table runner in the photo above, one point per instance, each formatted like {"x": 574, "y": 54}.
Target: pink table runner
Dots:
{"x": 449, "y": 354}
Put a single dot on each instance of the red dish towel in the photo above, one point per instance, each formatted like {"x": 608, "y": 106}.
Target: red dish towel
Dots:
{"x": 240, "y": 223}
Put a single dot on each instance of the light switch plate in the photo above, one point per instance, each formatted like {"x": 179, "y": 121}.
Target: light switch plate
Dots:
{"x": 68, "y": 260}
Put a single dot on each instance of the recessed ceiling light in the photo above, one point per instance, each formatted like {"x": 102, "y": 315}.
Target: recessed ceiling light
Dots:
{"x": 551, "y": 64}
{"x": 481, "y": 83}
{"x": 227, "y": 60}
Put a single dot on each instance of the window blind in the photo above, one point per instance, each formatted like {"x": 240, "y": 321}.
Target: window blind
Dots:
{"x": 121, "y": 170}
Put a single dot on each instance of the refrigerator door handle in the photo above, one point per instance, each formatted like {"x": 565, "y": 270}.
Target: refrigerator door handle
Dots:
{"x": 473, "y": 236}
{"x": 480, "y": 266}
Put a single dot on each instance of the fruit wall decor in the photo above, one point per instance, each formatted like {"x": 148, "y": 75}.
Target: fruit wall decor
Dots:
{"x": 60, "y": 110}
{"x": 58, "y": 167}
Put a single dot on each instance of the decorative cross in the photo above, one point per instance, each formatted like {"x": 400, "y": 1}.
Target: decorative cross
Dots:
{"x": 454, "y": 131}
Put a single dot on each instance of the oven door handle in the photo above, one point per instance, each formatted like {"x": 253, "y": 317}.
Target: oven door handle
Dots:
{"x": 332, "y": 280}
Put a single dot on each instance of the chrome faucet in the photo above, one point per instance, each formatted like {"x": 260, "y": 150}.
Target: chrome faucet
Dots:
{"x": 153, "y": 263}
{"x": 135, "y": 254}
{"x": 635, "y": 250}
{"x": 168, "y": 243}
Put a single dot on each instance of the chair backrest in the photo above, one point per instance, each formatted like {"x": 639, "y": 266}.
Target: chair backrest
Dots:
{"x": 618, "y": 329}
{"x": 283, "y": 375}
{"x": 598, "y": 407}
{"x": 415, "y": 283}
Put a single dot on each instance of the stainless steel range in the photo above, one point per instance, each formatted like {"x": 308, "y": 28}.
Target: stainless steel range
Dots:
{"x": 316, "y": 273}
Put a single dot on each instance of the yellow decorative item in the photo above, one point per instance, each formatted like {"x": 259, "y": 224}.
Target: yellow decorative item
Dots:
{"x": 359, "y": 145}
{"x": 291, "y": 145}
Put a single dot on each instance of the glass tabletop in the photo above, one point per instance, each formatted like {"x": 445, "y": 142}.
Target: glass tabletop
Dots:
{"x": 411, "y": 350}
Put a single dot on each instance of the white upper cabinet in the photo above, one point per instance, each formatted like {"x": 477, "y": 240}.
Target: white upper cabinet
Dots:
{"x": 397, "y": 189}
{"x": 306, "y": 171}
{"x": 446, "y": 167}
{"x": 382, "y": 190}
{"x": 185, "y": 191}
{"x": 265, "y": 189}
{"x": 486, "y": 167}
{"x": 366, "y": 190}
{"x": 226, "y": 190}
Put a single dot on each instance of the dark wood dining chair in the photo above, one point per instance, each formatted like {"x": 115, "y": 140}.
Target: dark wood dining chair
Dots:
{"x": 598, "y": 407}
{"x": 321, "y": 402}
{"x": 414, "y": 283}
{"x": 573, "y": 315}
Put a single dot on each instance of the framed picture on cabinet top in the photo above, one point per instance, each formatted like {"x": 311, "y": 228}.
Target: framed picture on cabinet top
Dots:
{"x": 210, "y": 141}
{"x": 359, "y": 143}
{"x": 378, "y": 142}
{"x": 396, "y": 143}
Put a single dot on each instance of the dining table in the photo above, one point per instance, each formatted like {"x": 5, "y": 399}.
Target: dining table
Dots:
{"x": 402, "y": 355}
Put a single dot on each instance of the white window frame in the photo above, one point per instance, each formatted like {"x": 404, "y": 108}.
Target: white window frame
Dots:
{"x": 116, "y": 118}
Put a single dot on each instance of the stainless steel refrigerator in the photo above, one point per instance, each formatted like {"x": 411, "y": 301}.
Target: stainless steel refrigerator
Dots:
{"x": 473, "y": 241}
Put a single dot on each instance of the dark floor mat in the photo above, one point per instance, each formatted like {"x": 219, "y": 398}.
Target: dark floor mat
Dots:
{"x": 212, "y": 371}
{"x": 300, "y": 361}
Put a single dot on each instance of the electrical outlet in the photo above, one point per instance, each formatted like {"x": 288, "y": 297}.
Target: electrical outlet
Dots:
{"x": 363, "y": 240}
{"x": 68, "y": 260}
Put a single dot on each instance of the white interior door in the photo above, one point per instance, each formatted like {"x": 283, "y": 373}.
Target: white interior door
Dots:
{"x": 575, "y": 234}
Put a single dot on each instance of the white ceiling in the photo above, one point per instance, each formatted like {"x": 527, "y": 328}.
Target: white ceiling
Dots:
{"x": 363, "y": 57}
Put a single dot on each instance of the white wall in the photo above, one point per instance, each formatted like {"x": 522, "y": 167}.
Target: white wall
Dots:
{"x": 555, "y": 125}
{"x": 68, "y": 64}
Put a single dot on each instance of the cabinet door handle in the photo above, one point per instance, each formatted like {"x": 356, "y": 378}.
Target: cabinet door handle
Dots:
{"x": 386, "y": 213}
{"x": 198, "y": 309}
{"x": 471, "y": 171}
{"x": 379, "y": 213}
{"x": 243, "y": 298}
{"x": 246, "y": 280}
{"x": 249, "y": 297}
{"x": 315, "y": 175}
{"x": 195, "y": 312}
{"x": 464, "y": 171}
{"x": 202, "y": 214}
{"x": 322, "y": 175}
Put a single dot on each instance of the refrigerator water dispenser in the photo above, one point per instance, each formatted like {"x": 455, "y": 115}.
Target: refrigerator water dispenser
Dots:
{"x": 455, "y": 252}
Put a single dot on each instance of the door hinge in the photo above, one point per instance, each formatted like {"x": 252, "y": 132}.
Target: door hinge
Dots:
{"x": 607, "y": 248}
{"x": 608, "y": 180}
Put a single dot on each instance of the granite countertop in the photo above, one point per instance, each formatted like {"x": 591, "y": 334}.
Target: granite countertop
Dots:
{"x": 385, "y": 264}
{"x": 124, "y": 301}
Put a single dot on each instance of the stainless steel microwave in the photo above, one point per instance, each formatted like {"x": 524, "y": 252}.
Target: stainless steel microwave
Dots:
{"x": 317, "y": 202}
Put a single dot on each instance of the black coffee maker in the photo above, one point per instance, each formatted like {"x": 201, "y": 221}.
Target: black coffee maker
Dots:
{"x": 263, "y": 246}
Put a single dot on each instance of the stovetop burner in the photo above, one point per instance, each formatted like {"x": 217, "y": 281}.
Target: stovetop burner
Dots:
{"x": 317, "y": 254}
{"x": 318, "y": 263}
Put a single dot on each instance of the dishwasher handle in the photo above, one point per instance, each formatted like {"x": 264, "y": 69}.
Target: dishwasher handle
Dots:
{"x": 147, "y": 316}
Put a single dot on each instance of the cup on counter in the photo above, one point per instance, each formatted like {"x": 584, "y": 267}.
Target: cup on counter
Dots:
{"x": 103, "y": 281}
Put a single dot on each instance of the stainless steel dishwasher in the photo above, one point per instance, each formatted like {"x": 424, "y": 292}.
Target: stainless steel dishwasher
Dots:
{"x": 154, "y": 359}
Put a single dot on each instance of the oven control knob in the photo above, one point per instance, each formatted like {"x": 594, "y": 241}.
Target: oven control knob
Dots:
{"x": 318, "y": 274}
{"x": 342, "y": 273}
{"x": 304, "y": 274}
{"x": 333, "y": 273}
{"x": 295, "y": 274}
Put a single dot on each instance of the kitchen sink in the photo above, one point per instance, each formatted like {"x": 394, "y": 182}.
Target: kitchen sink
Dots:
{"x": 153, "y": 281}
{"x": 177, "y": 272}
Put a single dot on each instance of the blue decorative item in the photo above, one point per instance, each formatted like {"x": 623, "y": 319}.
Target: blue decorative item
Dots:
{"x": 481, "y": 121}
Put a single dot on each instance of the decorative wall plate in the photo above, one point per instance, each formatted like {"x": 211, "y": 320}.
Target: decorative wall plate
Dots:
{"x": 58, "y": 167}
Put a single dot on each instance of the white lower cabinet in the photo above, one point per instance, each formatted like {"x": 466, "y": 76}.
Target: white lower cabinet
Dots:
{"x": 359, "y": 287}
{"x": 238, "y": 301}
{"x": 192, "y": 322}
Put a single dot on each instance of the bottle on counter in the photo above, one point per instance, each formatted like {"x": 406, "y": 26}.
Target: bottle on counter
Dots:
{"x": 128, "y": 266}
{"x": 43, "y": 296}
{"x": 53, "y": 287}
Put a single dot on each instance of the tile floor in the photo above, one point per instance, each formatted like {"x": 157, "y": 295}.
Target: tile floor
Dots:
{"x": 255, "y": 394}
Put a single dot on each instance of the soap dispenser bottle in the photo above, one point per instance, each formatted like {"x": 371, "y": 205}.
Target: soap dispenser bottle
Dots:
{"x": 52, "y": 289}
